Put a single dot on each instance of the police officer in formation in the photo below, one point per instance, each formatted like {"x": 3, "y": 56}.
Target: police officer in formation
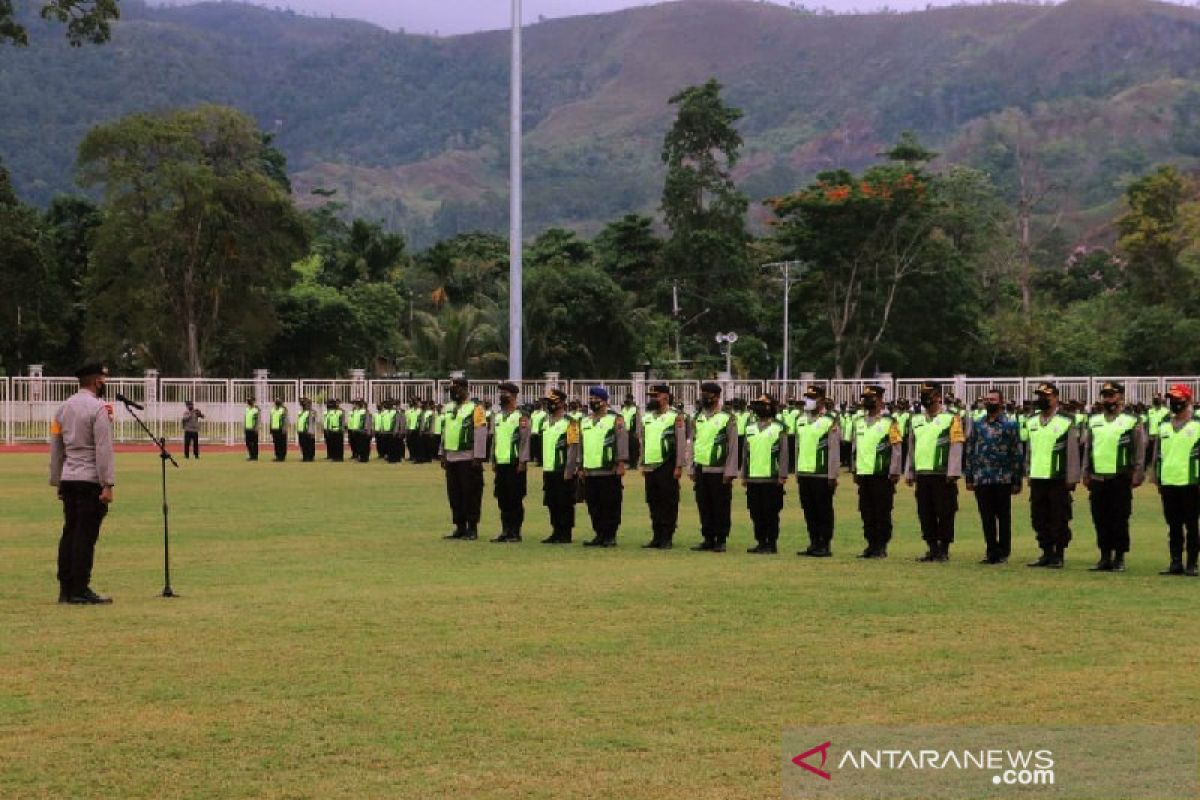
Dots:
{"x": 818, "y": 450}
{"x": 560, "y": 448}
{"x": 251, "y": 423}
{"x": 604, "y": 453}
{"x": 510, "y": 456}
{"x": 935, "y": 444}
{"x": 279, "y": 429}
{"x": 1177, "y": 473}
{"x": 875, "y": 458}
{"x": 306, "y": 430}
{"x": 764, "y": 473}
{"x": 715, "y": 462}
{"x": 334, "y": 425}
{"x": 1113, "y": 465}
{"x": 662, "y": 438}
{"x": 358, "y": 427}
{"x": 1052, "y": 467}
{"x": 462, "y": 452}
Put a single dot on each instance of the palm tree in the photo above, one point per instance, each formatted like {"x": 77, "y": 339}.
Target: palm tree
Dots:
{"x": 457, "y": 339}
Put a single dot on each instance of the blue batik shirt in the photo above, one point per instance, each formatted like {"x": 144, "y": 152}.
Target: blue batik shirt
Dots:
{"x": 993, "y": 454}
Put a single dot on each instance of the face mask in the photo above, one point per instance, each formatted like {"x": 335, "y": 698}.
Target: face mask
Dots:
{"x": 1178, "y": 405}
{"x": 1043, "y": 403}
{"x": 992, "y": 408}
{"x": 594, "y": 405}
{"x": 760, "y": 409}
{"x": 653, "y": 405}
{"x": 707, "y": 401}
{"x": 506, "y": 400}
{"x": 810, "y": 404}
{"x": 870, "y": 403}
{"x": 1110, "y": 405}
{"x": 926, "y": 399}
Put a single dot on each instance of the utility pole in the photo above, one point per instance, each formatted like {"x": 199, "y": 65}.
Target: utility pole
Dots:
{"x": 515, "y": 267}
{"x": 785, "y": 268}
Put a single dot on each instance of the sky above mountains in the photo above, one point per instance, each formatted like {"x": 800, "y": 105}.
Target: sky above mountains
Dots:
{"x": 448, "y": 17}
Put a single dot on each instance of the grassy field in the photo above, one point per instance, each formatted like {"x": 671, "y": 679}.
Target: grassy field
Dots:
{"x": 329, "y": 644}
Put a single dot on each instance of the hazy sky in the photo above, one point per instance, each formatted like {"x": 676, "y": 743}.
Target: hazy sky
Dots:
{"x": 464, "y": 16}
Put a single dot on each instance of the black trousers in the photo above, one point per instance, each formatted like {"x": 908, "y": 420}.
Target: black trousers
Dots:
{"x": 1050, "y": 512}
{"x": 191, "y": 443}
{"x": 335, "y": 445}
{"x": 82, "y": 514}
{"x": 937, "y": 503}
{"x": 414, "y": 446}
{"x": 995, "y": 514}
{"x": 876, "y": 496}
{"x": 1111, "y": 501}
{"x": 510, "y": 489}
{"x": 535, "y": 448}
{"x": 765, "y": 501}
{"x": 396, "y": 454}
{"x": 464, "y": 490}
{"x": 816, "y": 501}
{"x": 1181, "y": 508}
{"x": 381, "y": 444}
{"x": 252, "y": 444}
{"x": 662, "y": 496}
{"x": 604, "y": 494}
{"x": 279, "y": 440}
{"x": 308, "y": 446}
{"x": 360, "y": 446}
{"x": 558, "y": 496}
{"x": 714, "y": 500}
{"x": 429, "y": 446}
{"x": 635, "y": 449}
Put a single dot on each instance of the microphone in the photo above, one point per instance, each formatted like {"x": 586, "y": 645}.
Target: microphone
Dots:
{"x": 123, "y": 399}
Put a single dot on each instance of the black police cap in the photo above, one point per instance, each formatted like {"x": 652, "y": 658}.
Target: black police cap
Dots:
{"x": 710, "y": 387}
{"x": 91, "y": 370}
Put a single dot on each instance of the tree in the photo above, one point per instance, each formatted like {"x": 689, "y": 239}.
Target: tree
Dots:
{"x": 29, "y": 293}
{"x": 706, "y": 254}
{"x": 457, "y": 339}
{"x": 87, "y": 21}
{"x": 197, "y": 237}
{"x": 629, "y": 252}
{"x": 1153, "y": 236}
{"x": 579, "y": 322}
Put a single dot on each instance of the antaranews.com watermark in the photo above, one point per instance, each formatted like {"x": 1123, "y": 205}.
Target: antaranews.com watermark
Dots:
{"x": 953, "y": 763}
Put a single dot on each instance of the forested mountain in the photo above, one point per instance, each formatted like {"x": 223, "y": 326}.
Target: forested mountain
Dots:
{"x": 412, "y": 130}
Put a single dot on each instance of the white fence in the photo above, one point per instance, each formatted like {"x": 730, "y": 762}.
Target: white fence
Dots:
{"x": 28, "y": 404}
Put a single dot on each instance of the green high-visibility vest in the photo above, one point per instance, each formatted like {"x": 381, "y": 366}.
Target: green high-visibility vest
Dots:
{"x": 1111, "y": 450}
{"x": 506, "y": 439}
{"x": 931, "y": 441}
{"x": 333, "y": 420}
{"x": 554, "y": 444}
{"x": 711, "y": 439}
{"x": 743, "y": 422}
{"x": 412, "y": 416}
{"x": 458, "y": 428}
{"x": 659, "y": 431}
{"x": 251, "y": 418}
{"x": 302, "y": 421}
{"x": 762, "y": 449}
{"x": 277, "y": 415}
{"x": 812, "y": 445}
{"x": 599, "y": 441}
{"x": 377, "y": 420}
{"x": 1048, "y": 446}
{"x": 437, "y": 421}
{"x": 629, "y": 414}
{"x": 902, "y": 421}
{"x": 1155, "y": 417}
{"x": 873, "y": 446}
{"x": 357, "y": 418}
{"x": 1023, "y": 427}
{"x": 387, "y": 421}
{"x": 537, "y": 420}
{"x": 978, "y": 414}
{"x": 1179, "y": 454}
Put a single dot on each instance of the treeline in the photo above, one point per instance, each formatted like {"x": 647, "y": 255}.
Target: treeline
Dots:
{"x": 189, "y": 255}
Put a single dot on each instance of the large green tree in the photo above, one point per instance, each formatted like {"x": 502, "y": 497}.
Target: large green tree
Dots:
{"x": 1154, "y": 237}
{"x": 87, "y": 21}
{"x": 197, "y": 238}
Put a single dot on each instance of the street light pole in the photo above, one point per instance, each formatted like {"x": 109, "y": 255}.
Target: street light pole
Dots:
{"x": 515, "y": 270}
{"x": 786, "y": 268}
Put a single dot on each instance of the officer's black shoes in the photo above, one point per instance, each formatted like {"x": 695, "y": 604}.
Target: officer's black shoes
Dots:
{"x": 653, "y": 544}
{"x": 930, "y": 556}
{"x": 508, "y": 536}
{"x": 823, "y": 552}
{"x": 1176, "y": 568}
{"x": 470, "y": 535}
{"x": 704, "y": 546}
{"x": 874, "y": 554}
{"x": 987, "y": 560}
{"x": 1056, "y": 562}
{"x": 1046, "y": 560}
{"x": 666, "y": 544}
{"x": 719, "y": 547}
{"x": 868, "y": 553}
{"x": 456, "y": 534}
{"x": 556, "y": 539}
{"x": 763, "y": 550}
{"x": 811, "y": 550}
{"x": 88, "y": 598}
{"x": 1191, "y": 571}
{"x": 1118, "y": 564}
{"x": 596, "y": 542}
{"x": 943, "y": 554}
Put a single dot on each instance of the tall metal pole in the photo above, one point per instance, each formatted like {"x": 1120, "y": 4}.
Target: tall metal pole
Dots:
{"x": 515, "y": 271}
{"x": 787, "y": 328}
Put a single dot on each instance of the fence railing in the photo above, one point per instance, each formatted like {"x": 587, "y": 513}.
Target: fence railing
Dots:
{"x": 27, "y": 404}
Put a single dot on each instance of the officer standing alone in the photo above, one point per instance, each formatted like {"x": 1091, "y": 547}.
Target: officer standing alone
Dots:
{"x": 191, "y": 429}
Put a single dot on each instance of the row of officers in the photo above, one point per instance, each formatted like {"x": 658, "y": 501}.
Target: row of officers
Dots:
{"x": 933, "y": 447}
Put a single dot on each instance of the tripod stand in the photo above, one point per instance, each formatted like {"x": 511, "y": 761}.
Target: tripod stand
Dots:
{"x": 163, "y": 457}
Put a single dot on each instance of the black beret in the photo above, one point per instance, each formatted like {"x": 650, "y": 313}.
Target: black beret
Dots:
{"x": 459, "y": 382}
{"x": 88, "y": 370}
{"x": 660, "y": 388}
{"x": 1047, "y": 388}
{"x": 510, "y": 387}
{"x": 931, "y": 387}
{"x": 873, "y": 390}
{"x": 710, "y": 387}
{"x": 556, "y": 394}
{"x": 1111, "y": 387}
{"x": 814, "y": 391}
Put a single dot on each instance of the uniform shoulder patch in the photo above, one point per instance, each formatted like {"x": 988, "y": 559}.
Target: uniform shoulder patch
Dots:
{"x": 480, "y": 416}
{"x": 573, "y": 433}
{"x": 956, "y": 431}
{"x": 55, "y": 428}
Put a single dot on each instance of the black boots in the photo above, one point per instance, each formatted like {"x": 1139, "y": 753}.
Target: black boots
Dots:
{"x": 1105, "y": 564}
{"x": 508, "y": 535}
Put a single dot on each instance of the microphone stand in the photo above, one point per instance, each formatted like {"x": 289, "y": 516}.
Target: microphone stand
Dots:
{"x": 163, "y": 457}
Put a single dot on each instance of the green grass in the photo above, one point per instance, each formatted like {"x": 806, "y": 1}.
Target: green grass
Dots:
{"x": 329, "y": 644}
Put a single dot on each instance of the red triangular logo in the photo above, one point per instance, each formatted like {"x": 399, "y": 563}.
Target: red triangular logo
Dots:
{"x": 823, "y": 749}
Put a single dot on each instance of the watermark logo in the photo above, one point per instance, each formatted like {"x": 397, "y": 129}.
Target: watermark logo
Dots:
{"x": 823, "y": 749}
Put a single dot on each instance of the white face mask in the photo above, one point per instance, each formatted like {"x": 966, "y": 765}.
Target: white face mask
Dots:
{"x": 810, "y": 404}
